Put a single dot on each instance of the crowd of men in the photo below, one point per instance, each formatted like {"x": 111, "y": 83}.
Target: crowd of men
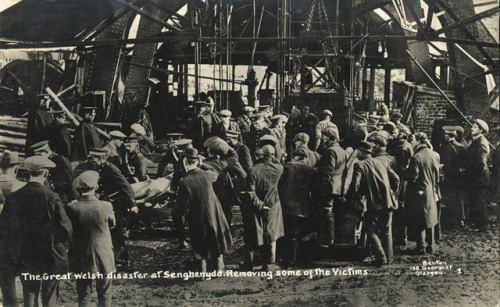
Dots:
{"x": 287, "y": 188}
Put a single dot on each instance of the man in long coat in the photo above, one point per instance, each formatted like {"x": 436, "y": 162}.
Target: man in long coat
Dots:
{"x": 208, "y": 228}
{"x": 205, "y": 125}
{"x": 264, "y": 212}
{"x": 452, "y": 185}
{"x": 244, "y": 155}
{"x": 61, "y": 176}
{"x": 91, "y": 250}
{"x": 58, "y": 135}
{"x": 328, "y": 188}
{"x": 36, "y": 228}
{"x": 422, "y": 194}
{"x": 477, "y": 174}
{"x": 86, "y": 136}
{"x": 376, "y": 182}
{"x": 295, "y": 188}
{"x": 38, "y": 120}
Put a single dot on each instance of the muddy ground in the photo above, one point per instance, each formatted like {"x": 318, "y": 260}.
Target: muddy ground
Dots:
{"x": 464, "y": 271}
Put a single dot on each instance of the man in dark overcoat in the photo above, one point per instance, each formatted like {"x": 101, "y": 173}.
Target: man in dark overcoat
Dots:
{"x": 86, "y": 136}
{"x": 35, "y": 224}
{"x": 61, "y": 177}
{"x": 38, "y": 120}
{"x": 205, "y": 125}
{"x": 422, "y": 194}
{"x": 58, "y": 134}
{"x": 265, "y": 209}
{"x": 376, "y": 182}
{"x": 244, "y": 156}
{"x": 477, "y": 174}
{"x": 295, "y": 188}
{"x": 328, "y": 188}
{"x": 208, "y": 228}
{"x": 91, "y": 250}
{"x": 226, "y": 125}
{"x": 452, "y": 185}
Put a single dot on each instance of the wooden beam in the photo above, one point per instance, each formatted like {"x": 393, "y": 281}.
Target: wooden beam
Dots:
{"x": 468, "y": 20}
{"x": 148, "y": 15}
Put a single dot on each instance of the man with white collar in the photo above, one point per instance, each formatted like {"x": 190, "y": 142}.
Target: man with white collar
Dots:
{"x": 225, "y": 125}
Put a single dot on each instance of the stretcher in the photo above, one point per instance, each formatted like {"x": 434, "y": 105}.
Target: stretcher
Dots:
{"x": 153, "y": 192}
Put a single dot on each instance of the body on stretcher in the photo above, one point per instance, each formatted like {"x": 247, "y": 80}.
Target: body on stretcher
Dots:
{"x": 152, "y": 191}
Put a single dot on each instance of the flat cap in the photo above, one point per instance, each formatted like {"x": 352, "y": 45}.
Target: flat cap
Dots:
{"x": 327, "y": 112}
{"x": 390, "y": 127}
{"x": 117, "y": 134}
{"x": 365, "y": 146}
{"x": 97, "y": 152}
{"x": 43, "y": 145}
{"x": 183, "y": 142}
{"x": 379, "y": 140}
{"x": 191, "y": 153}
{"x": 9, "y": 158}
{"x": 449, "y": 130}
{"x": 248, "y": 109}
{"x": 225, "y": 113}
{"x": 483, "y": 125}
{"x": 210, "y": 141}
{"x": 136, "y": 128}
{"x": 86, "y": 180}
{"x": 299, "y": 152}
{"x": 301, "y": 136}
{"x": 331, "y": 132}
{"x": 232, "y": 133}
{"x": 36, "y": 163}
{"x": 268, "y": 151}
{"x": 270, "y": 138}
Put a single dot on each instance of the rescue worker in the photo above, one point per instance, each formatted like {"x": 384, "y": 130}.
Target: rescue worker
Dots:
{"x": 58, "y": 134}
{"x": 114, "y": 148}
{"x": 86, "y": 136}
{"x": 377, "y": 183}
{"x": 61, "y": 176}
{"x": 328, "y": 188}
{"x": 208, "y": 228}
{"x": 477, "y": 175}
{"x": 91, "y": 250}
{"x": 34, "y": 229}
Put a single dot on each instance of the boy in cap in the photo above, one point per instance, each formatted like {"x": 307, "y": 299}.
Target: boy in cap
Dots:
{"x": 208, "y": 228}
{"x": 58, "y": 134}
{"x": 61, "y": 177}
{"x": 91, "y": 249}
{"x": 377, "y": 183}
{"x": 477, "y": 174}
{"x": 452, "y": 184}
{"x": 86, "y": 136}
{"x": 27, "y": 212}
{"x": 295, "y": 188}
{"x": 323, "y": 124}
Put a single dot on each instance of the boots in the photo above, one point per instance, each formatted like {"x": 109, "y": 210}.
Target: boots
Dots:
{"x": 294, "y": 246}
{"x": 248, "y": 264}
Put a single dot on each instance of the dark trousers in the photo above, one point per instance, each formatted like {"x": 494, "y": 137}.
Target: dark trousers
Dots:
{"x": 379, "y": 230}
{"x": 424, "y": 236}
{"x": 104, "y": 292}
{"x": 477, "y": 198}
{"x": 8, "y": 286}
{"x": 179, "y": 220}
{"x": 326, "y": 221}
{"x": 453, "y": 199}
{"x": 400, "y": 227}
{"x": 31, "y": 291}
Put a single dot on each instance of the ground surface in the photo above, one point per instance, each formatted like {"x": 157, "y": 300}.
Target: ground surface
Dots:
{"x": 467, "y": 260}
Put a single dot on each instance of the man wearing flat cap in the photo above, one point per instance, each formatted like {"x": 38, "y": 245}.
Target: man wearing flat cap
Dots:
{"x": 58, "y": 134}
{"x": 375, "y": 183}
{"x": 225, "y": 125}
{"x": 244, "y": 122}
{"x": 9, "y": 163}
{"x": 145, "y": 142}
{"x": 357, "y": 133}
{"x": 452, "y": 184}
{"x": 278, "y": 129}
{"x": 91, "y": 249}
{"x": 114, "y": 148}
{"x": 295, "y": 188}
{"x": 134, "y": 165}
{"x": 27, "y": 211}
{"x": 61, "y": 176}
{"x": 300, "y": 141}
{"x": 244, "y": 155}
{"x": 328, "y": 187}
{"x": 86, "y": 136}
{"x": 477, "y": 174}
{"x": 323, "y": 124}
{"x": 422, "y": 194}
{"x": 205, "y": 125}
{"x": 113, "y": 187}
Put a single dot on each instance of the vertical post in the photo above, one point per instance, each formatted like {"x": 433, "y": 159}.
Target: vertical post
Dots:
{"x": 387, "y": 87}
{"x": 371, "y": 98}
{"x": 443, "y": 76}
